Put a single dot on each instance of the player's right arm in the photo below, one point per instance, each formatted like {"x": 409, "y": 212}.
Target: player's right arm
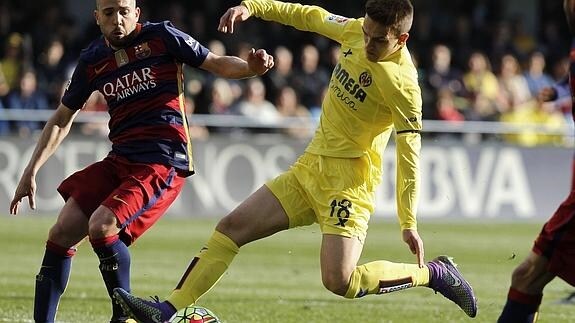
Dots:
{"x": 55, "y": 130}
{"x": 302, "y": 17}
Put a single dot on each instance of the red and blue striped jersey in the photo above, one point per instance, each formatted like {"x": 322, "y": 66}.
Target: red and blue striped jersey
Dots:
{"x": 143, "y": 86}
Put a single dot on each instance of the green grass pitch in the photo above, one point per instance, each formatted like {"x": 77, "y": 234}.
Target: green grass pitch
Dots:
{"x": 278, "y": 279}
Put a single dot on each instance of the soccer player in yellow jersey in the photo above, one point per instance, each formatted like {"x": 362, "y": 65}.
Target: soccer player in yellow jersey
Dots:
{"x": 373, "y": 92}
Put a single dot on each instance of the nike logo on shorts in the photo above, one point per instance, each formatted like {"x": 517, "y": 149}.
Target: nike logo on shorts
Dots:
{"x": 117, "y": 198}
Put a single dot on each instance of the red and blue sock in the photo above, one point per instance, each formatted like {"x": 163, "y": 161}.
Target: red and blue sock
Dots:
{"x": 114, "y": 266}
{"x": 51, "y": 281}
{"x": 520, "y": 307}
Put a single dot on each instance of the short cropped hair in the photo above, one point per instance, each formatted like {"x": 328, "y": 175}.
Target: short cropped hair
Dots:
{"x": 397, "y": 15}
{"x": 98, "y": 4}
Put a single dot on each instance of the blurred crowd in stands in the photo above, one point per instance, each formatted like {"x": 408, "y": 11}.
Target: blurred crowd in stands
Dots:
{"x": 475, "y": 64}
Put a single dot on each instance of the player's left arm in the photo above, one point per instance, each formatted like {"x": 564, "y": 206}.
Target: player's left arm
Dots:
{"x": 232, "y": 67}
{"x": 408, "y": 145}
{"x": 406, "y": 113}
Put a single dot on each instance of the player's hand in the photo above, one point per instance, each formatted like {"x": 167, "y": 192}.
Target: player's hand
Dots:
{"x": 411, "y": 237}
{"x": 233, "y": 15}
{"x": 26, "y": 188}
{"x": 259, "y": 61}
{"x": 547, "y": 94}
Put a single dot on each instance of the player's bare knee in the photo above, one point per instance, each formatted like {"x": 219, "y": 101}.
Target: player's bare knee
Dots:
{"x": 101, "y": 226}
{"x": 57, "y": 234}
{"x": 335, "y": 283}
{"x": 229, "y": 223}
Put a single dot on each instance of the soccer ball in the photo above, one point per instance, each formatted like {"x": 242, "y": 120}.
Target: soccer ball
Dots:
{"x": 194, "y": 314}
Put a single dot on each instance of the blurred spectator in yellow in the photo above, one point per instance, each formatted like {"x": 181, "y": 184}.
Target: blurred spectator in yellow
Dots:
{"x": 479, "y": 79}
{"x": 534, "y": 119}
{"x": 4, "y": 88}
{"x": 288, "y": 105}
{"x": 27, "y": 96}
{"x": 523, "y": 41}
{"x": 12, "y": 62}
{"x": 482, "y": 87}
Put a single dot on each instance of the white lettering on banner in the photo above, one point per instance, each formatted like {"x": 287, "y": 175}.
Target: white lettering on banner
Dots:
{"x": 216, "y": 186}
{"x": 437, "y": 171}
{"x": 480, "y": 182}
{"x": 449, "y": 184}
{"x": 510, "y": 186}
{"x": 471, "y": 190}
{"x": 221, "y": 167}
{"x": 13, "y": 165}
{"x": 66, "y": 160}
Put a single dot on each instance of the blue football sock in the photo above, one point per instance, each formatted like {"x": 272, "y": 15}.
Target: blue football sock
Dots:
{"x": 114, "y": 267}
{"x": 51, "y": 281}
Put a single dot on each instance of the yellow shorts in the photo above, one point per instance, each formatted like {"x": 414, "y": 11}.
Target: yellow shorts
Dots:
{"x": 337, "y": 193}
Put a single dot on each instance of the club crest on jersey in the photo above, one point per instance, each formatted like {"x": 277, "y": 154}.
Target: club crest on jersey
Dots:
{"x": 365, "y": 79}
{"x": 337, "y": 19}
{"x": 121, "y": 58}
{"x": 143, "y": 50}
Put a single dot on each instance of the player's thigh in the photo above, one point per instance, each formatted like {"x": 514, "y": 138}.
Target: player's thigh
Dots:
{"x": 259, "y": 216}
{"x": 71, "y": 225}
{"x": 143, "y": 196}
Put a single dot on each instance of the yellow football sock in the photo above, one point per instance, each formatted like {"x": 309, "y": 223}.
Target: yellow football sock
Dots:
{"x": 379, "y": 277}
{"x": 204, "y": 271}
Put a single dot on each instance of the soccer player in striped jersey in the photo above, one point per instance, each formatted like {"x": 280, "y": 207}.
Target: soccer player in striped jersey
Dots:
{"x": 373, "y": 92}
{"x": 138, "y": 69}
{"x": 552, "y": 252}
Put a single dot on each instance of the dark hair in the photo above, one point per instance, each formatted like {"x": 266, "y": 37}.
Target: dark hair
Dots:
{"x": 397, "y": 15}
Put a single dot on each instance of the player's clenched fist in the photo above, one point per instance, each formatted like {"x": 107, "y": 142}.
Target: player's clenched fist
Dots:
{"x": 233, "y": 15}
{"x": 259, "y": 61}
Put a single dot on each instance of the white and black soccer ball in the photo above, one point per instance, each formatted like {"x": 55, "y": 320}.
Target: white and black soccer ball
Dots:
{"x": 194, "y": 314}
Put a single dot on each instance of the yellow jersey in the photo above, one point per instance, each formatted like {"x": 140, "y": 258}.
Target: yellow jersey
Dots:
{"x": 365, "y": 100}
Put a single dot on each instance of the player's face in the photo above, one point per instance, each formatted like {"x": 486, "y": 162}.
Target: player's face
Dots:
{"x": 380, "y": 42}
{"x": 117, "y": 19}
